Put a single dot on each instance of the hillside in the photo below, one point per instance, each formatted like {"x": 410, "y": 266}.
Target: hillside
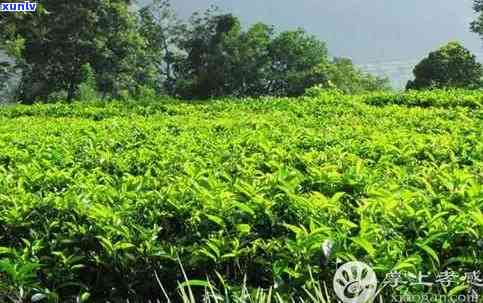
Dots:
{"x": 97, "y": 197}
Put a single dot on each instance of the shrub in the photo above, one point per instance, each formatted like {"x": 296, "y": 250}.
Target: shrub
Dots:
{"x": 432, "y": 98}
{"x": 87, "y": 90}
{"x": 247, "y": 191}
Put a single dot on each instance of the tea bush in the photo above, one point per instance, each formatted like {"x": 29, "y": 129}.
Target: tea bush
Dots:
{"x": 428, "y": 98}
{"x": 96, "y": 198}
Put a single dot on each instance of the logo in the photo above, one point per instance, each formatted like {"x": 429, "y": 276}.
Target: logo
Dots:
{"x": 18, "y": 7}
{"x": 355, "y": 282}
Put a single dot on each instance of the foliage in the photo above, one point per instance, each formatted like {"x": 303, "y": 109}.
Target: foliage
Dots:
{"x": 477, "y": 25}
{"x": 59, "y": 96}
{"x": 87, "y": 90}
{"x": 5, "y": 75}
{"x": 249, "y": 52}
{"x": 122, "y": 61}
{"x": 243, "y": 294}
{"x": 162, "y": 30}
{"x": 10, "y": 64}
{"x": 205, "y": 70}
{"x": 294, "y": 61}
{"x": 450, "y": 66}
{"x": 101, "y": 196}
{"x": 342, "y": 73}
{"x": 62, "y": 36}
{"x": 429, "y": 98}
{"x": 220, "y": 59}
{"x": 211, "y": 55}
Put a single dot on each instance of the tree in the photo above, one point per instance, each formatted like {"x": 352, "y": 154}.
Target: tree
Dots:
{"x": 64, "y": 35}
{"x": 250, "y": 62}
{"x": 222, "y": 60}
{"x": 205, "y": 70}
{"x": 345, "y": 76}
{"x": 450, "y": 66}
{"x": 295, "y": 59}
{"x": 5, "y": 76}
{"x": 477, "y": 25}
{"x": 209, "y": 56}
{"x": 162, "y": 30}
{"x": 11, "y": 65}
{"x": 5, "y": 72}
{"x": 121, "y": 58}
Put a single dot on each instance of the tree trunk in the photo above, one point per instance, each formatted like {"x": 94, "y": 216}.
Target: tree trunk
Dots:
{"x": 71, "y": 92}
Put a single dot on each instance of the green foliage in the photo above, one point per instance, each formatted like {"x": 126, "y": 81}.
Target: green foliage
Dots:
{"x": 71, "y": 34}
{"x": 205, "y": 71}
{"x": 244, "y": 294}
{"x": 428, "y": 98}
{"x": 211, "y": 55}
{"x": 450, "y": 66}
{"x": 249, "y": 53}
{"x": 87, "y": 90}
{"x": 162, "y": 30}
{"x": 323, "y": 91}
{"x": 5, "y": 74}
{"x": 217, "y": 58}
{"x": 122, "y": 61}
{"x": 101, "y": 196}
{"x": 144, "y": 93}
{"x": 10, "y": 62}
{"x": 477, "y": 25}
{"x": 344, "y": 75}
{"x": 59, "y": 96}
{"x": 294, "y": 60}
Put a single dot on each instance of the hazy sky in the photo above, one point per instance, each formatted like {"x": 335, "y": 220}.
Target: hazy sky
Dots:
{"x": 364, "y": 30}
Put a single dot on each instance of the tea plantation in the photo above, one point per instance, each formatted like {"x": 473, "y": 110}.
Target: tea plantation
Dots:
{"x": 105, "y": 201}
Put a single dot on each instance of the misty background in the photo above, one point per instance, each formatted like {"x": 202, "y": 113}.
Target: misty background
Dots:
{"x": 383, "y": 37}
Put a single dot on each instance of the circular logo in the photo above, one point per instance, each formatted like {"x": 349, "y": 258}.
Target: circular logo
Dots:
{"x": 355, "y": 282}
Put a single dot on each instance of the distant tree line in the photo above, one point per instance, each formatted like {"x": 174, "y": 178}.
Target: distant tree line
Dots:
{"x": 152, "y": 51}
{"x": 106, "y": 49}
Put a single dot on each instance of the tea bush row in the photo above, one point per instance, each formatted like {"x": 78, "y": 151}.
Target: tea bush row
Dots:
{"x": 96, "y": 198}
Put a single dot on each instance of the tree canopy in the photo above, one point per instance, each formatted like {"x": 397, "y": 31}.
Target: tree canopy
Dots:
{"x": 477, "y": 25}
{"x": 450, "y": 66}
{"x": 210, "y": 55}
{"x": 62, "y": 36}
{"x": 219, "y": 58}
